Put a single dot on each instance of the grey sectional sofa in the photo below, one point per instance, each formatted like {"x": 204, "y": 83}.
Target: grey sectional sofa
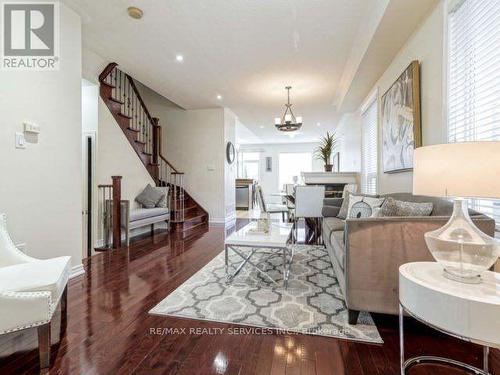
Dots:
{"x": 366, "y": 253}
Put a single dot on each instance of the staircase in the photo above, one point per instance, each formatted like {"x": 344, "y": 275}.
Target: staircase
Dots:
{"x": 143, "y": 131}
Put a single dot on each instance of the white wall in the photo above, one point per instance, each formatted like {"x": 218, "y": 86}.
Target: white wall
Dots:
{"x": 41, "y": 185}
{"x": 193, "y": 142}
{"x": 116, "y": 157}
{"x": 426, "y": 46}
{"x": 230, "y": 121}
{"x": 90, "y": 94}
{"x": 348, "y": 132}
{"x": 270, "y": 180}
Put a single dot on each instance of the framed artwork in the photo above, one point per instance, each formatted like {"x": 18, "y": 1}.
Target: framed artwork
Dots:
{"x": 401, "y": 125}
{"x": 269, "y": 164}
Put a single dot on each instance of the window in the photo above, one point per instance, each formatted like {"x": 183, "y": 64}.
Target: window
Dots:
{"x": 369, "y": 147}
{"x": 473, "y": 92}
{"x": 292, "y": 164}
{"x": 248, "y": 165}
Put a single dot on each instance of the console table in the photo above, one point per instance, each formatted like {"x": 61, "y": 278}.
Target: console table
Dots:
{"x": 467, "y": 311}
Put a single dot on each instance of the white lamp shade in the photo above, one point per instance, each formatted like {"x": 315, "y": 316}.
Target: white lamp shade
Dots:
{"x": 467, "y": 169}
{"x": 277, "y": 120}
{"x": 299, "y": 120}
{"x": 288, "y": 118}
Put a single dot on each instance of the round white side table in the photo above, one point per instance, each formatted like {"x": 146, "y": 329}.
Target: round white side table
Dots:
{"x": 470, "y": 312}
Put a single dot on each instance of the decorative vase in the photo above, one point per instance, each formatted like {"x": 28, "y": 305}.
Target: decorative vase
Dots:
{"x": 461, "y": 247}
{"x": 328, "y": 167}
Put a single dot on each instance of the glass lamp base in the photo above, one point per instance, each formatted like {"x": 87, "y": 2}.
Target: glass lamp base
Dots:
{"x": 463, "y": 250}
{"x": 463, "y": 279}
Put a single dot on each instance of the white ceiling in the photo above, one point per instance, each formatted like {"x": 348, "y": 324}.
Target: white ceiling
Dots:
{"x": 245, "y": 50}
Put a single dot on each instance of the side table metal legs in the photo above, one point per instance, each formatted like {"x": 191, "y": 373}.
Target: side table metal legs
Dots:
{"x": 405, "y": 364}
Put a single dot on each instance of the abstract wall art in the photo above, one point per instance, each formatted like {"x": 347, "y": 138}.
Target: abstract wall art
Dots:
{"x": 401, "y": 125}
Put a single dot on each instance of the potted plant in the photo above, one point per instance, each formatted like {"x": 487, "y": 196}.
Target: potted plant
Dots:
{"x": 325, "y": 149}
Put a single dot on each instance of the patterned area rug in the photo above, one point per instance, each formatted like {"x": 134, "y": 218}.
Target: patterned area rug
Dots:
{"x": 312, "y": 304}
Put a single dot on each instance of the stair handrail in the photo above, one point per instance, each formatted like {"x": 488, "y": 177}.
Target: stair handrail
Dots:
{"x": 168, "y": 163}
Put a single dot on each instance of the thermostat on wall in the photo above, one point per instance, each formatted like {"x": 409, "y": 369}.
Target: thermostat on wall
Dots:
{"x": 29, "y": 127}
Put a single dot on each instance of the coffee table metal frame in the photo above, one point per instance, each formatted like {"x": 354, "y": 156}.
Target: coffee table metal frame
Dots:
{"x": 286, "y": 253}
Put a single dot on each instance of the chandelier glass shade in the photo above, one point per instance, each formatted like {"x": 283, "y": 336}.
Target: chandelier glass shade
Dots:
{"x": 288, "y": 122}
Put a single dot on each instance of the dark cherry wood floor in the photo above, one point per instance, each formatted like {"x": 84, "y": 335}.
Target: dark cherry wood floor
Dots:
{"x": 109, "y": 328}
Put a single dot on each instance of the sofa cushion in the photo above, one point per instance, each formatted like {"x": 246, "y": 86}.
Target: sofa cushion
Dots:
{"x": 337, "y": 241}
{"x": 149, "y": 197}
{"x": 50, "y": 275}
{"x": 163, "y": 202}
{"x": 333, "y": 223}
{"x": 144, "y": 213}
{"x": 393, "y": 207}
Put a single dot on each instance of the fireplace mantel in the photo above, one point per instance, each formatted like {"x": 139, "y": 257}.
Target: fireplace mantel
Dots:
{"x": 326, "y": 178}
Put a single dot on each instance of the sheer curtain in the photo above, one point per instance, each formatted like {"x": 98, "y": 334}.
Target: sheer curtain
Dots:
{"x": 473, "y": 93}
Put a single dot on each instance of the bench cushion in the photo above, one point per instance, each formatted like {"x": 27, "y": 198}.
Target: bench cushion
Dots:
{"x": 145, "y": 213}
{"x": 49, "y": 275}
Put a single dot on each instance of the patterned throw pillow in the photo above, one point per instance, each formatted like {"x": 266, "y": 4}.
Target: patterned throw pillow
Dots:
{"x": 149, "y": 197}
{"x": 363, "y": 203}
{"x": 163, "y": 202}
{"x": 393, "y": 207}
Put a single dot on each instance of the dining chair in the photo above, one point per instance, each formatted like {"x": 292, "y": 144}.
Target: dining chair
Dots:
{"x": 308, "y": 206}
{"x": 270, "y": 208}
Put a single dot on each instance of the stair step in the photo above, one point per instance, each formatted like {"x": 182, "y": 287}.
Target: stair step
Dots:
{"x": 133, "y": 130}
{"x": 108, "y": 85}
{"x": 116, "y": 100}
{"x": 124, "y": 115}
{"x": 140, "y": 142}
{"x": 147, "y": 153}
{"x": 195, "y": 226}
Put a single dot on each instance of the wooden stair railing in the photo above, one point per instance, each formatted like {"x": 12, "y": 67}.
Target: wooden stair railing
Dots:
{"x": 110, "y": 212}
{"x": 119, "y": 91}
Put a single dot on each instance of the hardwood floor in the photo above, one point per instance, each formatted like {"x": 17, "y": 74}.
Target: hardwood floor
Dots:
{"x": 109, "y": 330}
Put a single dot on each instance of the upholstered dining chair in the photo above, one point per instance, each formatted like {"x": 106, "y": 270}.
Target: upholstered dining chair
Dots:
{"x": 309, "y": 206}
{"x": 270, "y": 208}
{"x": 30, "y": 290}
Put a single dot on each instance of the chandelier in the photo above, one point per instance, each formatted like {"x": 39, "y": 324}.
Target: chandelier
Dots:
{"x": 288, "y": 122}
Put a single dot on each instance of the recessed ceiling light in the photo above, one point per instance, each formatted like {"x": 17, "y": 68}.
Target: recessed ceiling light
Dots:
{"x": 262, "y": 126}
{"x": 135, "y": 12}
{"x": 179, "y": 58}
{"x": 318, "y": 124}
{"x": 219, "y": 97}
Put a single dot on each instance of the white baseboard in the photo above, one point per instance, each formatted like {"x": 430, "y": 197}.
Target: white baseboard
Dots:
{"x": 226, "y": 222}
{"x": 77, "y": 271}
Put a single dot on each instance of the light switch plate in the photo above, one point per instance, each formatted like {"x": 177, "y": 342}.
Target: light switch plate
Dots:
{"x": 211, "y": 167}
{"x": 20, "y": 140}
{"x": 30, "y": 127}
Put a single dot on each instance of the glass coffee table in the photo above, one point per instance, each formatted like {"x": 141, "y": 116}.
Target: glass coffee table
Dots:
{"x": 246, "y": 243}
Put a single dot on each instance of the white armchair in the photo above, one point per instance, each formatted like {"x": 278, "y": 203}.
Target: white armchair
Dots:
{"x": 30, "y": 290}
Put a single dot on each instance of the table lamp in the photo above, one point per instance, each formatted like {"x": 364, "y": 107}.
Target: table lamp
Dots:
{"x": 460, "y": 170}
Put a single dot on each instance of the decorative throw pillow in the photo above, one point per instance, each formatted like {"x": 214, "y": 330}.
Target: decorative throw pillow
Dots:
{"x": 360, "y": 210}
{"x": 364, "y": 204}
{"x": 393, "y": 207}
{"x": 163, "y": 202}
{"x": 344, "y": 208}
{"x": 149, "y": 197}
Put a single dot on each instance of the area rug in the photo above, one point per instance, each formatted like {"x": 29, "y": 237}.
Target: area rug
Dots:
{"x": 312, "y": 303}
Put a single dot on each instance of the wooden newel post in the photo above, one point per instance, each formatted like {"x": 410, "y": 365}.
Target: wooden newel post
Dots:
{"x": 156, "y": 147}
{"x": 117, "y": 197}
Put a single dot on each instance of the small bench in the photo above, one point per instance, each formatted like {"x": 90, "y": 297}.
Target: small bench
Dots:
{"x": 141, "y": 216}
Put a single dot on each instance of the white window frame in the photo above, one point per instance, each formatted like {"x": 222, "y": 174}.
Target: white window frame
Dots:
{"x": 372, "y": 99}
{"x": 449, "y": 6}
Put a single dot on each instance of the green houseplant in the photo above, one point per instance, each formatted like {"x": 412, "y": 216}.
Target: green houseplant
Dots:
{"x": 325, "y": 149}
